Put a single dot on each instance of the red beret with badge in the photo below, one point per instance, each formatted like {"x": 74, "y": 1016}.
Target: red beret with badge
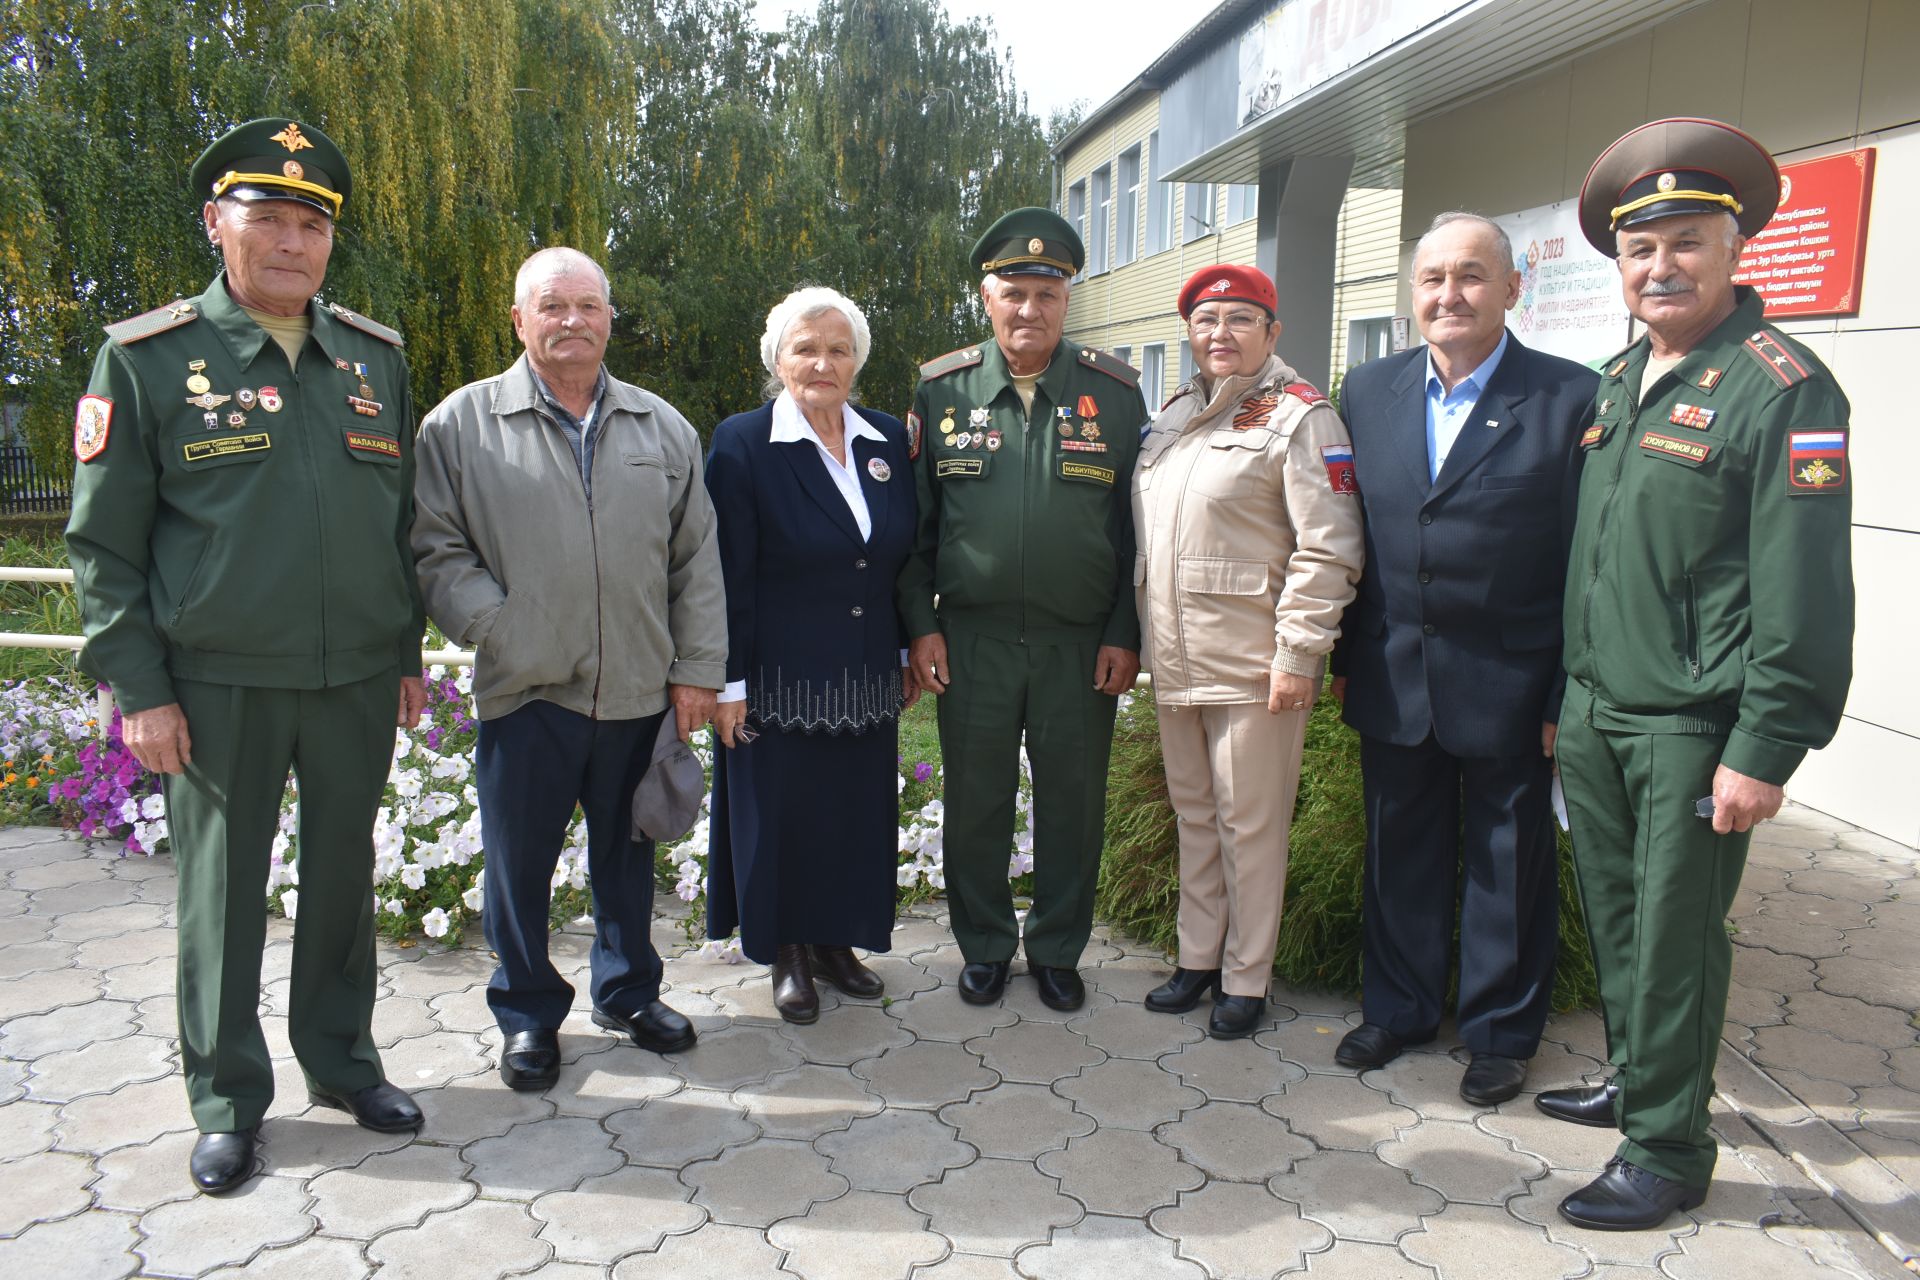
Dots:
{"x": 1228, "y": 282}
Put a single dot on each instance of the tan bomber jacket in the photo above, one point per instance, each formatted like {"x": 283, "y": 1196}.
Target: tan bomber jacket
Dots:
{"x": 1249, "y": 536}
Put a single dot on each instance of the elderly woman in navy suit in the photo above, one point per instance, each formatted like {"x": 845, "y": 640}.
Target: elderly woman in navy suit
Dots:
{"x": 816, "y": 513}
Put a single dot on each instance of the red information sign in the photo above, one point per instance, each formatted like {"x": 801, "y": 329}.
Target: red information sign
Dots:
{"x": 1808, "y": 260}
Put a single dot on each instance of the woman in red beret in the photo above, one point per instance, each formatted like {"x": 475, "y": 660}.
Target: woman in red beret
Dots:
{"x": 1250, "y": 543}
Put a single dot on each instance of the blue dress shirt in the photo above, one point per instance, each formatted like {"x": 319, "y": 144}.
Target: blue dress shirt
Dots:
{"x": 1447, "y": 410}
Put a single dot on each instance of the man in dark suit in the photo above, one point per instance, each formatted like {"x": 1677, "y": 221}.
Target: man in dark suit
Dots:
{"x": 1449, "y": 667}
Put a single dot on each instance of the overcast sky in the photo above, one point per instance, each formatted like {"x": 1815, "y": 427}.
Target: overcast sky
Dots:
{"x": 1063, "y": 49}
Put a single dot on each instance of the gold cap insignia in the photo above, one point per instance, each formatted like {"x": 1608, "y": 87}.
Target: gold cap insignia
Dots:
{"x": 293, "y": 169}
{"x": 1666, "y": 182}
{"x": 1035, "y": 245}
{"x": 291, "y": 138}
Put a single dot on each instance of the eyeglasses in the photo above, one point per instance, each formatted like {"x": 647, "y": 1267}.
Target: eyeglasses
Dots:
{"x": 1239, "y": 324}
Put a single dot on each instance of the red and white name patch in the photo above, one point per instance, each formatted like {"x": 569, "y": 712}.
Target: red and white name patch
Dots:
{"x": 92, "y": 418}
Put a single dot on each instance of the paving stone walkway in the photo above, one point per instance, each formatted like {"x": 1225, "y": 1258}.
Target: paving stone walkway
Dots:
{"x": 923, "y": 1137}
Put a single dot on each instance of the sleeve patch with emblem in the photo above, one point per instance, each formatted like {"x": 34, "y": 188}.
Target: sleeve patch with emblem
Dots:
{"x": 92, "y": 418}
{"x": 1817, "y": 461}
{"x": 913, "y": 437}
{"x": 1340, "y": 473}
{"x": 1305, "y": 391}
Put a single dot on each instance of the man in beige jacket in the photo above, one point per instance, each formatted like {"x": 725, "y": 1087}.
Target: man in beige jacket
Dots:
{"x": 1249, "y": 545}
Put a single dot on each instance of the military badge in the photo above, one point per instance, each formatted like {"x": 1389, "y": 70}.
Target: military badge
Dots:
{"x": 208, "y": 400}
{"x": 246, "y": 397}
{"x": 236, "y": 419}
{"x": 964, "y": 440}
{"x": 291, "y": 138}
{"x": 913, "y": 437}
{"x": 1065, "y": 415}
{"x": 270, "y": 399}
{"x": 1817, "y": 461}
{"x": 1089, "y": 430}
{"x": 1692, "y": 415}
{"x": 1617, "y": 368}
{"x": 993, "y": 441}
{"x": 342, "y": 365}
{"x": 1709, "y": 378}
{"x": 212, "y": 420}
{"x": 293, "y": 170}
{"x": 879, "y": 470}
{"x": 197, "y": 383}
{"x": 1593, "y": 435}
{"x": 1088, "y": 407}
{"x": 1340, "y": 473}
{"x": 980, "y": 417}
{"x": 92, "y": 418}
{"x": 364, "y": 407}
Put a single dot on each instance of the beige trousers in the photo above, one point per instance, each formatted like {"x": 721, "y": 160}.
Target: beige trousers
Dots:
{"x": 1232, "y": 771}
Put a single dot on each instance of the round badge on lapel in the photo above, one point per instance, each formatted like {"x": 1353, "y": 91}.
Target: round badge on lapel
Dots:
{"x": 879, "y": 470}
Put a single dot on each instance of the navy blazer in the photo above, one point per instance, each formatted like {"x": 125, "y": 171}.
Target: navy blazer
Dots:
{"x": 812, "y": 625}
{"x": 1456, "y": 627}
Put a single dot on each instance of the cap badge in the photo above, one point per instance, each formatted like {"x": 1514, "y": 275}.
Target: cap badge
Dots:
{"x": 1220, "y": 286}
{"x": 293, "y": 169}
{"x": 291, "y": 138}
{"x": 1666, "y": 182}
{"x": 1035, "y": 245}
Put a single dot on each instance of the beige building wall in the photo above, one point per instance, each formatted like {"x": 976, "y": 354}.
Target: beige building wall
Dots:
{"x": 1807, "y": 80}
{"x": 1367, "y": 267}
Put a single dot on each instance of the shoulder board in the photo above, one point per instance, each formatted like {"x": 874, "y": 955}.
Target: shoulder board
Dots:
{"x": 1771, "y": 354}
{"x": 364, "y": 325}
{"x": 1112, "y": 366}
{"x": 964, "y": 358}
{"x": 1304, "y": 391}
{"x": 158, "y": 320}
{"x": 1616, "y": 364}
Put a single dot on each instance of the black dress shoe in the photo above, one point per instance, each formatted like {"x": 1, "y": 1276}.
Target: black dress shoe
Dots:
{"x": 383, "y": 1108}
{"x": 793, "y": 993}
{"x": 1236, "y": 1016}
{"x": 1059, "y": 988}
{"x": 1491, "y": 1079}
{"x": 1183, "y": 990}
{"x": 1368, "y": 1046}
{"x": 655, "y": 1027}
{"x": 221, "y": 1161}
{"x": 983, "y": 981}
{"x": 1628, "y": 1198}
{"x": 841, "y": 968}
{"x": 1584, "y": 1104}
{"x": 530, "y": 1060}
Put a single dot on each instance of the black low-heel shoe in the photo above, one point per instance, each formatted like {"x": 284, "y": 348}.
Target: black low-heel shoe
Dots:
{"x": 983, "y": 981}
{"x": 1183, "y": 990}
{"x": 530, "y": 1060}
{"x": 383, "y": 1107}
{"x": 221, "y": 1161}
{"x": 1591, "y": 1105}
{"x": 1235, "y": 1017}
{"x": 1629, "y": 1198}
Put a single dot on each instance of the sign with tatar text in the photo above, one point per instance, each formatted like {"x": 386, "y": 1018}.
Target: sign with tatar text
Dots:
{"x": 1809, "y": 260}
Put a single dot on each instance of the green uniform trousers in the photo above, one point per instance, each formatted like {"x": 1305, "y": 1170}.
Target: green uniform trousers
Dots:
{"x": 1656, "y": 884}
{"x": 1000, "y": 688}
{"x": 222, "y": 814}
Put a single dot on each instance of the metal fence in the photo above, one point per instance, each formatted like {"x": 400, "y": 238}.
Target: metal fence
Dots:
{"x": 24, "y": 488}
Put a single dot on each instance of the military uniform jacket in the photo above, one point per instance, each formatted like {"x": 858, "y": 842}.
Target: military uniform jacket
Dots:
{"x": 1025, "y": 531}
{"x": 1249, "y": 531}
{"x": 1711, "y": 588}
{"x": 253, "y": 533}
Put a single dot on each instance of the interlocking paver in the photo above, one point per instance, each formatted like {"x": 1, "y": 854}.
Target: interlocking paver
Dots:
{"x": 715, "y": 1252}
{"x": 969, "y": 1266}
{"x": 1355, "y": 1260}
{"x": 602, "y": 1083}
{"x": 1355, "y": 1195}
{"x": 1820, "y": 1055}
{"x": 994, "y": 1206}
{"x": 806, "y": 1102}
{"x": 925, "y": 1074}
{"x": 34, "y": 957}
{"x": 894, "y": 1151}
{"x": 312, "y": 1258}
{"x": 742, "y": 1054}
{"x": 1018, "y": 1121}
{"x": 1555, "y": 1143}
{"x": 99, "y": 1068}
{"x": 1112, "y": 1248}
{"x": 477, "y": 1107}
{"x": 136, "y": 982}
{"x": 1459, "y": 1162}
{"x": 903, "y": 977}
{"x": 1540, "y": 1207}
{"x": 752, "y": 1002}
{"x": 74, "y": 899}
{"x": 1428, "y": 1082}
{"x": 1023, "y": 998}
{"x": 939, "y": 1016}
{"x": 147, "y": 1176}
{"x": 391, "y": 1189}
{"x": 863, "y": 1234}
{"x": 1129, "y": 1093}
{"x": 1035, "y": 1052}
{"x": 105, "y": 922}
{"x": 1463, "y": 1238}
{"x": 845, "y": 1035}
{"x": 1338, "y": 1112}
{"x": 1240, "y": 1231}
{"x": 96, "y": 1245}
{"x": 42, "y": 1187}
{"x": 1309, "y": 1040}
{"x": 759, "y": 1184}
{"x": 1235, "y": 1141}
{"x": 694, "y": 1124}
{"x": 1715, "y": 1252}
{"x": 620, "y": 1212}
{"x": 420, "y": 1062}
{"x": 73, "y": 1027}
{"x": 547, "y": 1155}
{"x": 500, "y": 1232}
{"x": 1134, "y": 1031}
{"x": 130, "y": 1114}
{"x": 1120, "y": 1171}
{"x": 1870, "y": 980}
{"x": 48, "y": 990}
{"x": 186, "y": 1237}
{"x": 1232, "y": 1070}
{"x": 15, "y": 930}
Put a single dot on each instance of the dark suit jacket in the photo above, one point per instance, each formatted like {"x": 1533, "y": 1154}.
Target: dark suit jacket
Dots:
{"x": 812, "y": 625}
{"x": 1456, "y": 628}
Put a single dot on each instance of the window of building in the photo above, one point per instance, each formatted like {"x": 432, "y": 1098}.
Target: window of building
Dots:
{"x": 1243, "y": 201}
{"x": 1123, "y": 354}
{"x": 1128, "y": 229}
{"x": 1153, "y": 376}
{"x": 1188, "y": 365}
{"x": 1077, "y": 212}
{"x": 1098, "y": 259}
{"x": 1369, "y": 339}
{"x": 1159, "y": 201}
{"x": 1199, "y": 211}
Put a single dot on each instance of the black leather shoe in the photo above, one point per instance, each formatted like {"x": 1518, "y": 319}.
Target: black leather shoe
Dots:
{"x": 1628, "y": 1198}
{"x": 793, "y": 993}
{"x": 1368, "y": 1046}
{"x": 530, "y": 1060}
{"x": 840, "y": 967}
{"x": 1059, "y": 988}
{"x": 1590, "y": 1104}
{"x": 655, "y": 1027}
{"x": 983, "y": 981}
{"x": 1236, "y": 1016}
{"x": 383, "y": 1108}
{"x": 221, "y": 1161}
{"x": 1492, "y": 1079}
{"x": 1183, "y": 990}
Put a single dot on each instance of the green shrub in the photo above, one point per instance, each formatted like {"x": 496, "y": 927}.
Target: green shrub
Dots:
{"x": 1319, "y": 946}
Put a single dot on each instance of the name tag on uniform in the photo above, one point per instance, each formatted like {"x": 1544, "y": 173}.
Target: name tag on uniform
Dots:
{"x": 960, "y": 467}
{"x": 224, "y": 446}
{"x": 1693, "y": 451}
{"x": 365, "y": 443}
{"x": 1086, "y": 471}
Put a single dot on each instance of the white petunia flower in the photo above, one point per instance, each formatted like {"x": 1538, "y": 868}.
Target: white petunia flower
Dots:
{"x": 290, "y": 903}
{"x": 434, "y": 923}
{"x": 475, "y": 898}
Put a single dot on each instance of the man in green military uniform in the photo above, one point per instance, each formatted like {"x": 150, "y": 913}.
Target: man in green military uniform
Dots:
{"x": 1709, "y": 630}
{"x": 241, "y": 511}
{"x": 1023, "y": 452}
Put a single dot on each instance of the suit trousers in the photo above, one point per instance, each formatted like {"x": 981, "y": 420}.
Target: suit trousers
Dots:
{"x": 532, "y": 766}
{"x": 1656, "y": 884}
{"x": 1432, "y": 816}
{"x": 1001, "y": 690}
{"x": 1232, "y": 770}
{"x": 222, "y": 814}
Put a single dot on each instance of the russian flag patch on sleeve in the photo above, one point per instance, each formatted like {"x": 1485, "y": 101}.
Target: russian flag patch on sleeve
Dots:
{"x": 1817, "y": 461}
{"x": 1339, "y": 460}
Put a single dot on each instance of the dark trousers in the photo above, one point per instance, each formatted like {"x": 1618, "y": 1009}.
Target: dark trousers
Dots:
{"x": 532, "y": 766}
{"x": 1431, "y": 815}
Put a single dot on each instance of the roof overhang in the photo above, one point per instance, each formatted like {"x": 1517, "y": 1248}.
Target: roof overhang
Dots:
{"x": 1365, "y": 110}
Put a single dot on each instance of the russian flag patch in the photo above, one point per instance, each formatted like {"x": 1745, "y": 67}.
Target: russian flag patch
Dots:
{"x": 1817, "y": 461}
{"x": 1339, "y": 460}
